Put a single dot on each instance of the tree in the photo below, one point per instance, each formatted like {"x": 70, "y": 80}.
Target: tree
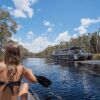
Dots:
{"x": 7, "y": 27}
{"x": 93, "y": 42}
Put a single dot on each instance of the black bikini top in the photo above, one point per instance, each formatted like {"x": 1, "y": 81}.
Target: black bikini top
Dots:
{"x": 10, "y": 85}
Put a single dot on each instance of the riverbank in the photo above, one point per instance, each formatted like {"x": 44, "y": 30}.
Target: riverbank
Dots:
{"x": 97, "y": 62}
{"x": 92, "y": 62}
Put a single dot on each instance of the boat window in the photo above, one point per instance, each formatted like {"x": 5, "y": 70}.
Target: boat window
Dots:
{"x": 75, "y": 51}
{"x": 56, "y": 52}
{"x": 82, "y": 51}
{"x": 64, "y": 52}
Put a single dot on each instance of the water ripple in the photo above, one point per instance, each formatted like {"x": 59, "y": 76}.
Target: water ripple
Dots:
{"x": 69, "y": 82}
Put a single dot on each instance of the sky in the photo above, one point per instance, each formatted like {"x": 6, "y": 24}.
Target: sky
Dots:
{"x": 42, "y": 23}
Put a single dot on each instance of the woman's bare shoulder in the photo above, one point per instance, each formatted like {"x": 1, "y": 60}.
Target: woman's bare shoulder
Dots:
{"x": 2, "y": 66}
{"x": 20, "y": 67}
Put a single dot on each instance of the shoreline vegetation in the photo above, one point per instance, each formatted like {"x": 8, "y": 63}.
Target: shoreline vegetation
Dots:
{"x": 90, "y": 42}
{"x": 96, "y": 56}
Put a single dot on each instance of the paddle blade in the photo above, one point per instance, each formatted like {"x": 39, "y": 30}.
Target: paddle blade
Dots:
{"x": 43, "y": 81}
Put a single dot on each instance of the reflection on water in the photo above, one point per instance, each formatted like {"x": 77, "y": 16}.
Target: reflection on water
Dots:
{"x": 70, "y": 81}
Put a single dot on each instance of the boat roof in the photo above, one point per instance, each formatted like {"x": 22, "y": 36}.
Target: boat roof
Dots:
{"x": 73, "y": 48}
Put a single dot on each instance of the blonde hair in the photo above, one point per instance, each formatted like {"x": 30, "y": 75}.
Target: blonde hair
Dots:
{"x": 12, "y": 59}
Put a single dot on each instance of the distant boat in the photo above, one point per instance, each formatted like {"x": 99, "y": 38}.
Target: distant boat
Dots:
{"x": 71, "y": 54}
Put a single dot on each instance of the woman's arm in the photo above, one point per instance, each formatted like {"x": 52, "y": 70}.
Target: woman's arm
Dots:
{"x": 29, "y": 75}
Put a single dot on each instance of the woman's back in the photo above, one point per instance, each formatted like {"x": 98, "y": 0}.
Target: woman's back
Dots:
{"x": 11, "y": 72}
{"x": 5, "y": 91}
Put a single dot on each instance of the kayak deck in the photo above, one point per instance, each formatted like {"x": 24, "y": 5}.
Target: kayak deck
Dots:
{"x": 31, "y": 96}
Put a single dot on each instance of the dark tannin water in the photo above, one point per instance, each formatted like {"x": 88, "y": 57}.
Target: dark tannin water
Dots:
{"x": 69, "y": 81}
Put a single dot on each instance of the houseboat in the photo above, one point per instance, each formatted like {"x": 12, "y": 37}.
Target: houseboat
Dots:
{"x": 71, "y": 54}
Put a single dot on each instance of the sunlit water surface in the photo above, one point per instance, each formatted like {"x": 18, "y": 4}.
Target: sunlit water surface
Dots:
{"x": 69, "y": 82}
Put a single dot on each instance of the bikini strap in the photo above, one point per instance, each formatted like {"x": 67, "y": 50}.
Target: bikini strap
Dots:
{"x": 11, "y": 85}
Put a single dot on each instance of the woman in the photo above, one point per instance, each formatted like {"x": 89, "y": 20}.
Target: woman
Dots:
{"x": 11, "y": 73}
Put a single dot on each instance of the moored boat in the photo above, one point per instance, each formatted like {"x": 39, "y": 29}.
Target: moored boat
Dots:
{"x": 71, "y": 54}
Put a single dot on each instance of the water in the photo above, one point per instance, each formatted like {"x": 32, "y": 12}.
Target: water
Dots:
{"x": 69, "y": 81}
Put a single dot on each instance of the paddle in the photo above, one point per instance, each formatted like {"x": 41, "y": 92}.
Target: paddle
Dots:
{"x": 41, "y": 79}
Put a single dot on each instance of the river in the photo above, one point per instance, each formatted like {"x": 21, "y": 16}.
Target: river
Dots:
{"x": 69, "y": 81}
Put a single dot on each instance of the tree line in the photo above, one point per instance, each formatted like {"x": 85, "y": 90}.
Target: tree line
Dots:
{"x": 90, "y": 42}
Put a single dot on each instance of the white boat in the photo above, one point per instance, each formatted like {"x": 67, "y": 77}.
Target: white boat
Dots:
{"x": 71, "y": 54}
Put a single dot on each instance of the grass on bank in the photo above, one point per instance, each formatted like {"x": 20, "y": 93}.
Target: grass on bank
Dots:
{"x": 96, "y": 56}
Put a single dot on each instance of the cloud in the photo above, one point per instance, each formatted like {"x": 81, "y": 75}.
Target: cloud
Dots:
{"x": 16, "y": 39}
{"x": 81, "y": 30}
{"x": 19, "y": 27}
{"x": 18, "y": 13}
{"x": 75, "y": 35}
{"x": 47, "y": 23}
{"x": 64, "y": 36}
{"x": 50, "y": 27}
{"x": 37, "y": 45}
{"x": 85, "y": 23}
{"x": 23, "y": 8}
{"x": 33, "y": 1}
{"x": 41, "y": 42}
{"x": 30, "y": 34}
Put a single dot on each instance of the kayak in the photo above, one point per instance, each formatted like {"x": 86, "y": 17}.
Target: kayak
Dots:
{"x": 31, "y": 96}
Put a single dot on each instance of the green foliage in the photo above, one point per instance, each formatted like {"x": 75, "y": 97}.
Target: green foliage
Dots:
{"x": 7, "y": 27}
